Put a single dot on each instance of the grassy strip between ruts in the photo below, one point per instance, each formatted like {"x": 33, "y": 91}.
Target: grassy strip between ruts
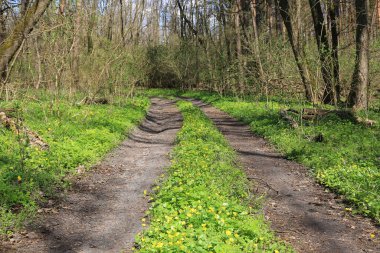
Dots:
{"x": 77, "y": 135}
{"x": 203, "y": 204}
{"x": 347, "y": 160}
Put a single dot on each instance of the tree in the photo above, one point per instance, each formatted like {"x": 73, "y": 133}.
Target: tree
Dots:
{"x": 23, "y": 27}
{"x": 76, "y": 43}
{"x": 302, "y": 69}
{"x": 358, "y": 96}
{"x": 324, "y": 50}
{"x": 334, "y": 15}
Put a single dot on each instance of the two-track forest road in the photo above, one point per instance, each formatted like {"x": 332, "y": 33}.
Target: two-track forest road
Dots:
{"x": 300, "y": 211}
{"x": 103, "y": 212}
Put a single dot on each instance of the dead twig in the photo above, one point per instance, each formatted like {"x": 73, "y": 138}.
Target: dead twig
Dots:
{"x": 264, "y": 182}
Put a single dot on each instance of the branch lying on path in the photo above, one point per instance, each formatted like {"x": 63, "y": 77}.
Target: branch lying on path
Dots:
{"x": 265, "y": 183}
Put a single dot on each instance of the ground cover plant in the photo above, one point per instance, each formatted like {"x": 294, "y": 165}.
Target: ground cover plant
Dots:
{"x": 77, "y": 135}
{"x": 203, "y": 203}
{"x": 346, "y": 160}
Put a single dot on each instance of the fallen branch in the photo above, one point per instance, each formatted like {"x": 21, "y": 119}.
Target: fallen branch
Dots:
{"x": 263, "y": 182}
{"x": 311, "y": 114}
{"x": 91, "y": 101}
{"x": 11, "y": 124}
{"x": 284, "y": 114}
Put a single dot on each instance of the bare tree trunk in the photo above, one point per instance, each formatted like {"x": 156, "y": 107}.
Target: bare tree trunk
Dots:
{"x": 122, "y": 22}
{"x": 21, "y": 30}
{"x": 76, "y": 43}
{"x": 239, "y": 46}
{"x": 285, "y": 14}
{"x": 256, "y": 38}
{"x": 324, "y": 50}
{"x": 39, "y": 64}
{"x": 334, "y": 14}
{"x": 378, "y": 11}
{"x": 62, "y": 6}
{"x": 111, "y": 11}
{"x": 91, "y": 24}
{"x": 358, "y": 97}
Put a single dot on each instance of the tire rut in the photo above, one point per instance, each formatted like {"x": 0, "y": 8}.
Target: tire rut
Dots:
{"x": 103, "y": 211}
{"x": 300, "y": 211}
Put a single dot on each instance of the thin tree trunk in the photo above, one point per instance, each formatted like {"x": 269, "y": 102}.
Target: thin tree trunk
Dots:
{"x": 22, "y": 28}
{"x": 285, "y": 14}
{"x": 122, "y": 22}
{"x": 62, "y": 6}
{"x": 358, "y": 96}
{"x": 111, "y": 14}
{"x": 91, "y": 24}
{"x": 334, "y": 14}
{"x": 239, "y": 47}
{"x": 324, "y": 50}
{"x": 76, "y": 43}
{"x": 256, "y": 38}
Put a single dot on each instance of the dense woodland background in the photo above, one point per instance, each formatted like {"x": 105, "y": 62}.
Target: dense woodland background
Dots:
{"x": 324, "y": 51}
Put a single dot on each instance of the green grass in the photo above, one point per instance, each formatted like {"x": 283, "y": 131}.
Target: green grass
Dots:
{"x": 203, "y": 203}
{"x": 77, "y": 135}
{"x": 347, "y": 161}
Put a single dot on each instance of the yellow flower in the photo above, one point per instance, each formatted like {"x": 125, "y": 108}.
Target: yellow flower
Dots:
{"x": 372, "y": 236}
{"x": 19, "y": 178}
{"x": 191, "y": 226}
{"x": 160, "y": 244}
{"x": 236, "y": 235}
{"x": 145, "y": 192}
{"x": 276, "y": 251}
{"x": 143, "y": 224}
{"x": 228, "y": 232}
{"x": 143, "y": 219}
{"x": 189, "y": 215}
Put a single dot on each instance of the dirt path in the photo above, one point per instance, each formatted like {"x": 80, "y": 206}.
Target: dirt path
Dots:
{"x": 300, "y": 210}
{"x": 103, "y": 212}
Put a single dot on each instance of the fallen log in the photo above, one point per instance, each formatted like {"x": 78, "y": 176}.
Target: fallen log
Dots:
{"x": 311, "y": 114}
{"x": 99, "y": 101}
{"x": 13, "y": 125}
{"x": 284, "y": 114}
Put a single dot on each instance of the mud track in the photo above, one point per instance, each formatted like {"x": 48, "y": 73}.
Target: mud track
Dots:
{"x": 300, "y": 211}
{"x": 103, "y": 211}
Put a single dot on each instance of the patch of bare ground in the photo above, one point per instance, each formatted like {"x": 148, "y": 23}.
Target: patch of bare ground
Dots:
{"x": 103, "y": 211}
{"x": 300, "y": 211}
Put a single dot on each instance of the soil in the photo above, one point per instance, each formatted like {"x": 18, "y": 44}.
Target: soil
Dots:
{"x": 300, "y": 211}
{"x": 103, "y": 211}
